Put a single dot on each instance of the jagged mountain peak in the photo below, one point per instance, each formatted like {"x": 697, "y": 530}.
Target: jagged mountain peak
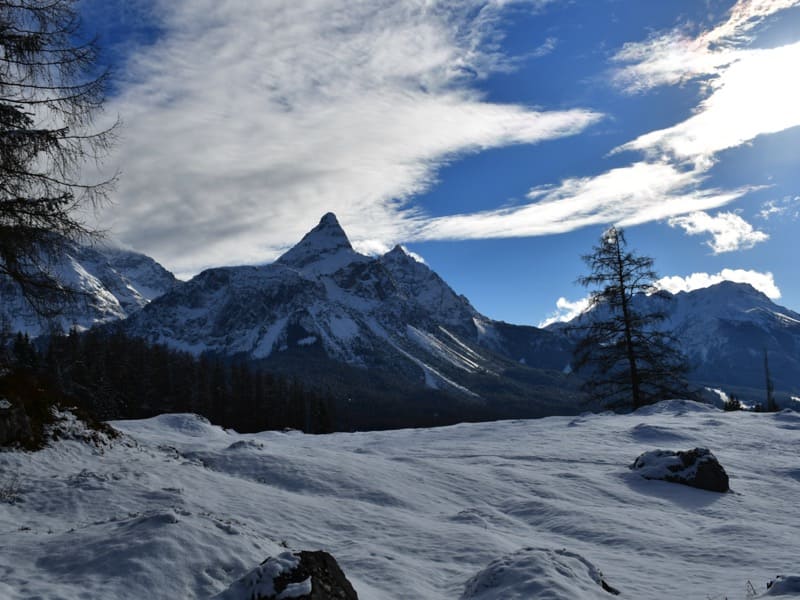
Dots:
{"x": 323, "y": 250}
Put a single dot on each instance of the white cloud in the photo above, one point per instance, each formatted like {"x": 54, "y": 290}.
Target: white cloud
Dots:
{"x": 566, "y": 311}
{"x": 751, "y": 92}
{"x": 788, "y": 206}
{"x": 245, "y": 121}
{"x": 763, "y": 282}
{"x": 631, "y": 195}
{"x": 755, "y": 95}
{"x": 730, "y": 231}
{"x": 676, "y": 57}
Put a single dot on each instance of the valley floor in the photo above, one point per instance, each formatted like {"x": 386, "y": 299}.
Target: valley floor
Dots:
{"x": 177, "y": 508}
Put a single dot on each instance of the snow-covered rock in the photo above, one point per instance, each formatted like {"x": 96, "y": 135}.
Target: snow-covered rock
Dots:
{"x": 300, "y": 575}
{"x": 539, "y": 574}
{"x": 697, "y": 468}
{"x": 783, "y": 585}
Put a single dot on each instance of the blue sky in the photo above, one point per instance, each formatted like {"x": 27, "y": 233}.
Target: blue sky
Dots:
{"x": 494, "y": 138}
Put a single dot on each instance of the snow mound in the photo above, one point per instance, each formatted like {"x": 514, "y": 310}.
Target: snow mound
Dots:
{"x": 788, "y": 585}
{"x": 675, "y": 407}
{"x": 542, "y": 573}
{"x": 181, "y": 424}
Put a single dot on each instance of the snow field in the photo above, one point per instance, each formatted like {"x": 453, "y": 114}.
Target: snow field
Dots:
{"x": 519, "y": 509}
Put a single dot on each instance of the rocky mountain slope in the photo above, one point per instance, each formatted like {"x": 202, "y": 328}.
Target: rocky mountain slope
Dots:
{"x": 113, "y": 284}
{"x": 324, "y": 311}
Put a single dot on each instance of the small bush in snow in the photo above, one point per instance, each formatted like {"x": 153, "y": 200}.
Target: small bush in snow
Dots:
{"x": 9, "y": 489}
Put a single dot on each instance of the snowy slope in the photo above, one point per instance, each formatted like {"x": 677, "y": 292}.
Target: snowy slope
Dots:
{"x": 322, "y": 301}
{"x": 113, "y": 284}
{"x": 518, "y": 509}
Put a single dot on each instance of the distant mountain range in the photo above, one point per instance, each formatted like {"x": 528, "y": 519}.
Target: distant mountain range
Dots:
{"x": 388, "y": 330}
{"x": 724, "y": 331}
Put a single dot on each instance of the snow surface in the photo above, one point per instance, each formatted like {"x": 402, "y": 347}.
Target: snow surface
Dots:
{"x": 178, "y": 508}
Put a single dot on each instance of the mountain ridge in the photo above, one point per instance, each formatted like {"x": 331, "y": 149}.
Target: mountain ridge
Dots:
{"x": 724, "y": 330}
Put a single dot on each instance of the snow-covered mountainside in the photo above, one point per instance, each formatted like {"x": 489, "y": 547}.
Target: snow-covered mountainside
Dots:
{"x": 322, "y": 301}
{"x": 725, "y": 328}
{"x": 518, "y": 510}
{"x": 113, "y": 284}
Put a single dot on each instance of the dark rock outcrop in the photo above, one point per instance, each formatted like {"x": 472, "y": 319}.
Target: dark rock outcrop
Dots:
{"x": 328, "y": 582}
{"x": 300, "y": 576}
{"x": 698, "y": 468}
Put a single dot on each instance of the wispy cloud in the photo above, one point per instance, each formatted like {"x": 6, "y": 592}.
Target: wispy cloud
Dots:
{"x": 763, "y": 282}
{"x": 246, "y": 120}
{"x": 788, "y": 206}
{"x": 755, "y": 95}
{"x": 729, "y": 231}
{"x": 677, "y": 56}
{"x": 631, "y": 195}
{"x": 751, "y": 92}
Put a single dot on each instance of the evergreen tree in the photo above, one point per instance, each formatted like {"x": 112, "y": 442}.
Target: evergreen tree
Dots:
{"x": 50, "y": 94}
{"x": 625, "y": 358}
{"x": 771, "y": 405}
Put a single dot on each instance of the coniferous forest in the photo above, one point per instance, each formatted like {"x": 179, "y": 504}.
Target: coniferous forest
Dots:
{"x": 112, "y": 376}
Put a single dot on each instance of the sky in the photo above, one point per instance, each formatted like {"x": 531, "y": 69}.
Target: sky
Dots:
{"x": 496, "y": 139}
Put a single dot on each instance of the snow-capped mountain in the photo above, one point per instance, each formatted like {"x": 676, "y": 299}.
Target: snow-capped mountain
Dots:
{"x": 322, "y": 301}
{"x": 112, "y": 284}
{"x": 724, "y": 330}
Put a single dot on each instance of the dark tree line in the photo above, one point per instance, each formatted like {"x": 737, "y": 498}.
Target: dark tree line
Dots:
{"x": 112, "y": 376}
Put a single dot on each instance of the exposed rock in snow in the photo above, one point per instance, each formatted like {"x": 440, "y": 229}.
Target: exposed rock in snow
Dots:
{"x": 697, "y": 468}
{"x": 783, "y": 585}
{"x": 539, "y": 573}
{"x": 302, "y": 575}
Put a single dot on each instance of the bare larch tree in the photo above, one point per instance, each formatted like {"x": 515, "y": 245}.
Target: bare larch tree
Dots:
{"x": 625, "y": 357}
